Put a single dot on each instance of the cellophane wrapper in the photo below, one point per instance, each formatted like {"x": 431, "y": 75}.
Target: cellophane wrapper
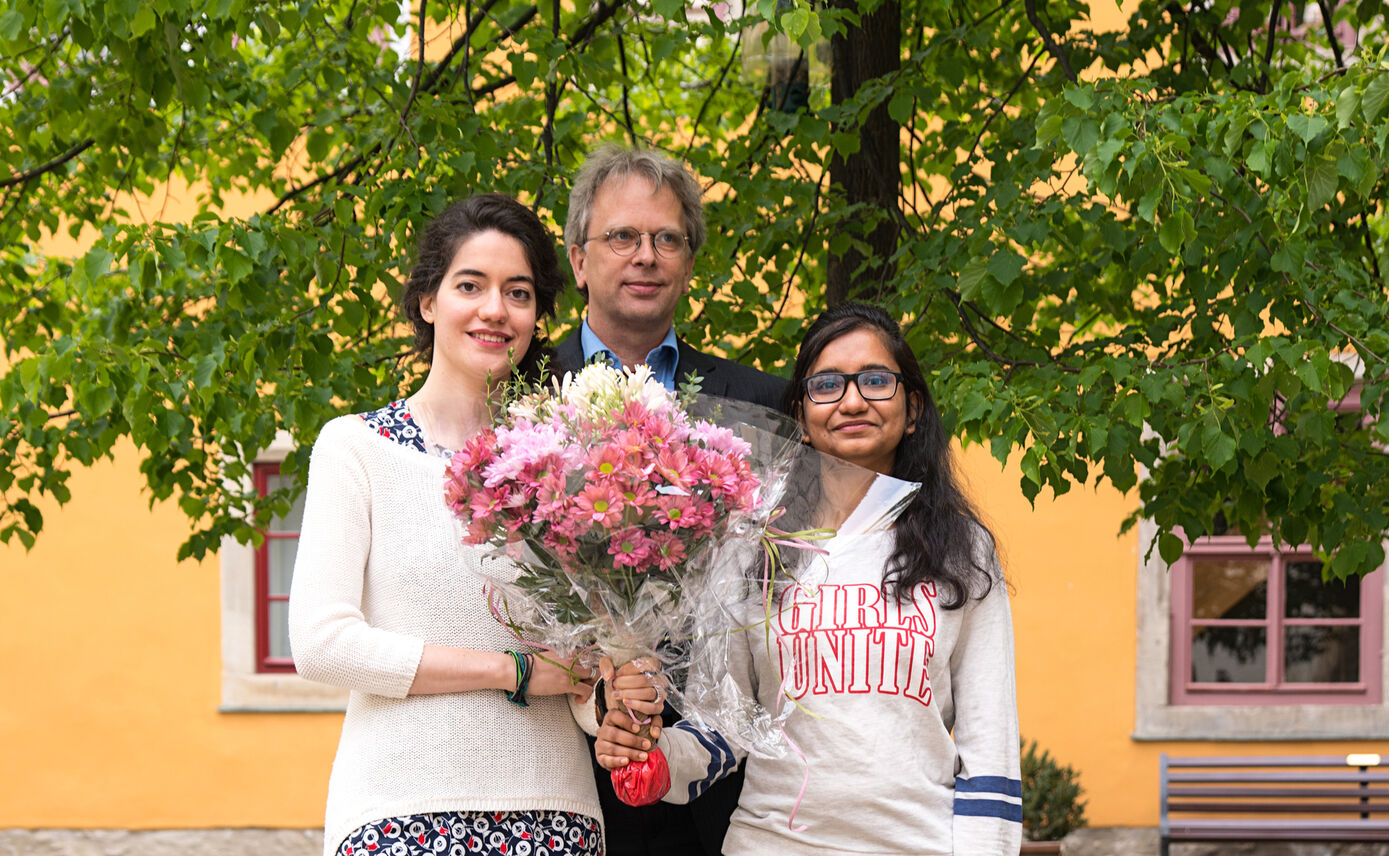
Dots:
{"x": 736, "y": 602}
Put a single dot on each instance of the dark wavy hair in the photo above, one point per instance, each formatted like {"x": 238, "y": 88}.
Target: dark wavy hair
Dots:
{"x": 440, "y": 242}
{"x": 938, "y": 535}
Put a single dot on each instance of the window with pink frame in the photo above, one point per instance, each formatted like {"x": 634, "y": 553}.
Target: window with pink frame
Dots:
{"x": 274, "y": 568}
{"x": 1260, "y": 626}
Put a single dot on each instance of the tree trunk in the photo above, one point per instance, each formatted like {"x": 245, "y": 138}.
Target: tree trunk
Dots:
{"x": 872, "y": 174}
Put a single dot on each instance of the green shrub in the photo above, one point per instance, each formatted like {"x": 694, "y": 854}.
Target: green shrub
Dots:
{"x": 1051, "y": 803}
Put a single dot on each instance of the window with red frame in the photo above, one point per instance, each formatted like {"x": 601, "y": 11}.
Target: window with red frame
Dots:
{"x": 1260, "y": 626}
{"x": 274, "y": 568}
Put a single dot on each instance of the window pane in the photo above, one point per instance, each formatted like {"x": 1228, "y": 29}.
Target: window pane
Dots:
{"x": 281, "y": 552}
{"x": 1322, "y": 655}
{"x": 1229, "y": 588}
{"x": 294, "y": 520}
{"x": 279, "y": 628}
{"x": 1223, "y": 655}
{"x": 1309, "y": 597}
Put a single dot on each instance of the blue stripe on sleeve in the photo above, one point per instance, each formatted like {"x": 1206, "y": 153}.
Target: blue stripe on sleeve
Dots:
{"x": 721, "y": 761}
{"x": 988, "y": 808}
{"x": 990, "y": 785}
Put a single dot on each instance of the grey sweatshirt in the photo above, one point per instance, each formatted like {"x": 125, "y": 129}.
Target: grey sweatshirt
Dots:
{"x": 906, "y": 715}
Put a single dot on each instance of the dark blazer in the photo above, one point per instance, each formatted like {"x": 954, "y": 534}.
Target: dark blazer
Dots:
{"x": 663, "y": 829}
{"x": 718, "y": 376}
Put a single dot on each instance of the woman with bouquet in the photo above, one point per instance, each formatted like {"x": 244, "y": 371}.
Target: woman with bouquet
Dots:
{"x": 452, "y": 743}
{"x": 891, "y": 654}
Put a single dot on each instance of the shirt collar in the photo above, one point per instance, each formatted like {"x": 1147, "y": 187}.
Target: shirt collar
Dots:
{"x": 664, "y": 359}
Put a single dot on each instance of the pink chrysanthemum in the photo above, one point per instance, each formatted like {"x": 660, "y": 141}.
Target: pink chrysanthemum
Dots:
{"x": 701, "y": 515}
{"x": 488, "y": 501}
{"x": 477, "y": 451}
{"x": 668, "y": 551}
{"x": 675, "y": 467}
{"x": 630, "y": 548}
{"x": 719, "y": 439}
{"x": 600, "y": 504}
{"x": 521, "y": 449}
{"x": 605, "y": 462}
{"x": 673, "y": 510}
{"x": 715, "y": 471}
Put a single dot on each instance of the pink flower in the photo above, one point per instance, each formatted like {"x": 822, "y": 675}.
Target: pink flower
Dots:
{"x": 630, "y": 547}
{"x": 560, "y": 546}
{"x": 668, "y": 550}
{"x": 488, "y": 501}
{"x": 478, "y": 451}
{"x": 701, "y": 515}
{"x": 656, "y": 427}
{"x": 673, "y": 510}
{"x": 640, "y": 497}
{"x": 600, "y": 504}
{"x": 720, "y": 439}
{"x": 606, "y": 461}
{"x": 458, "y": 495}
{"x": 479, "y": 532}
{"x": 744, "y": 495}
{"x": 717, "y": 472}
{"x": 570, "y": 527}
{"x": 673, "y": 465}
{"x": 551, "y": 498}
{"x": 632, "y": 443}
{"x": 521, "y": 450}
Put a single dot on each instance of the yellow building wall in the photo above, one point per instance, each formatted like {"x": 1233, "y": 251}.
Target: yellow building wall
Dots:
{"x": 1075, "y": 589}
{"x": 112, "y": 665}
{"x": 111, "y": 662}
{"x": 111, "y": 659}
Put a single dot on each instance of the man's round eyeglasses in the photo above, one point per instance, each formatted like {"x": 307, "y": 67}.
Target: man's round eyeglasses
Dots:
{"x": 873, "y": 385}
{"x": 624, "y": 240}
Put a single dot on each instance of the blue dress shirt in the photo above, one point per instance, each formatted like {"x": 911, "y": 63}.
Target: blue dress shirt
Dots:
{"x": 664, "y": 359}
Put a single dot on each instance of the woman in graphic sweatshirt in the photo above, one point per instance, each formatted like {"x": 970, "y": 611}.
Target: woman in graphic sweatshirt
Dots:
{"x": 896, "y": 645}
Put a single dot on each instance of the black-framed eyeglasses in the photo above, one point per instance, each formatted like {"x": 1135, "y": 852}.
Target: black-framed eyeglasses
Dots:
{"x": 873, "y": 385}
{"x": 625, "y": 240}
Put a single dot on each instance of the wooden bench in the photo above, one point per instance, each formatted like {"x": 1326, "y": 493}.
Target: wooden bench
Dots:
{"x": 1290, "y": 798}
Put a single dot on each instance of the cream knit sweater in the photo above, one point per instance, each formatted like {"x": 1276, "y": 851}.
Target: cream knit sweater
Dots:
{"x": 381, "y": 571}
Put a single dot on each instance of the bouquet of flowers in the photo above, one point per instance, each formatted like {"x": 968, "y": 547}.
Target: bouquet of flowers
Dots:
{"x": 608, "y": 493}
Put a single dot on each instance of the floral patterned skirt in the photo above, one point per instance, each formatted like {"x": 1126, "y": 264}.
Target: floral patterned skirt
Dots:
{"x": 464, "y": 833}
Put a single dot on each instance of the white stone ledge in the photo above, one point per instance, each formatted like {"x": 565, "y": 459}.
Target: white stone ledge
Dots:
{"x": 160, "y": 842}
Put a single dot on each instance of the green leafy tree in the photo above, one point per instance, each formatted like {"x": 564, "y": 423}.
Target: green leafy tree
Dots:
{"x": 1155, "y": 252}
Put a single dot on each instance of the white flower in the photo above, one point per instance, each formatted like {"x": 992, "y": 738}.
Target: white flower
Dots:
{"x": 592, "y": 390}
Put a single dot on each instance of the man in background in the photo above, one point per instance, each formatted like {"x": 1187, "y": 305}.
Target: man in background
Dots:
{"x": 636, "y": 220}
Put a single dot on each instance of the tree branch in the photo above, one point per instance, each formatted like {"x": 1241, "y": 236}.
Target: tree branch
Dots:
{"x": 547, "y": 133}
{"x": 34, "y": 69}
{"x": 1268, "y": 46}
{"x": 1326, "y": 14}
{"x": 1194, "y": 36}
{"x": 1052, "y": 47}
{"x": 1369, "y": 246}
{"x": 733, "y": 56}
{"x": 807, "y": 233}
{"x": 50, "y": 166}
{"x": 993, "y": 114}
{"x": 419, "y": 68}
{"x": 626, "y": 99}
